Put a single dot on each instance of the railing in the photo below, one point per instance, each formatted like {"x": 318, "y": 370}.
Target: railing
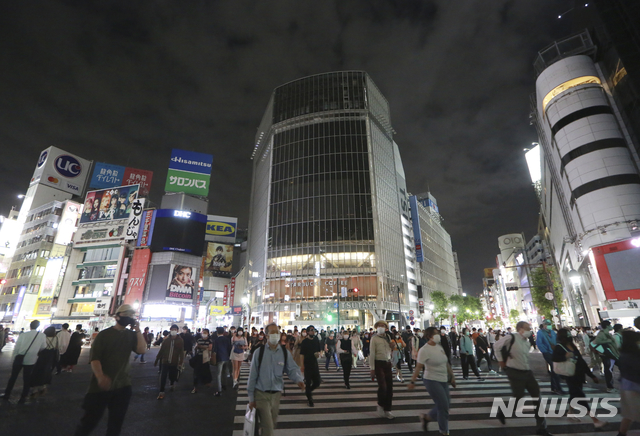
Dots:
{"x": 571, "y": 46}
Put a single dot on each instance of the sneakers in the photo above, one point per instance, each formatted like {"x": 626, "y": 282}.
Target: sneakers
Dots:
{"x": 160, "y": 395}
{"x": 492, "y": 372}
{"x": 389, "y": 415}
{"x": 217, "y": 394}
{"x": 609, "y": 390}
{"x": 465, "y": 378}
{"x": 310, "y": 402}
{"x": 425, "y": 422}
{"x": 480, "y": 379}
{"x": 143, "y": 361}
{"x": 194, "y": 391}
{"x": 380, "y": 412}
{"x": 557, "y": 392}
{"x": 348, "y": 386}
{"x": 235, "y": 384}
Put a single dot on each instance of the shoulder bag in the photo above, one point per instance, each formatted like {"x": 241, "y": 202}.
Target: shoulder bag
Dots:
{"x": 566, "y": 368}
{"x": 19, "y": 359}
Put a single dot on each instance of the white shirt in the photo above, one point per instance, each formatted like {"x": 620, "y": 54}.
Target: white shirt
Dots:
{"x": 519, "y": 355}
{"x": 63, "y": 340}
{"x": 23, "y": 343}
{"x": 435, "y": 362}
{"x": 491, "y": 337}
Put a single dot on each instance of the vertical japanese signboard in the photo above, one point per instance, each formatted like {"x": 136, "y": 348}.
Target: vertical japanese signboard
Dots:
{"x": 415, "y": 218}
{"x": 225, "y": 297}
{"x": 135, "y": 176}
{"x": 232, "y": 291}
{"x": 137, "y": 275}
{"x": 135, "y": 219}
{"x": 146, "y": 232}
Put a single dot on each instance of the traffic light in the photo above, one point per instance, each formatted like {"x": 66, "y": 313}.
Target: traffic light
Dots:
{"x": 512, "y": 288}
{"x": 329, "y": 317}
{"x": 3, "y": 281}
{"x": 355, "y": 290}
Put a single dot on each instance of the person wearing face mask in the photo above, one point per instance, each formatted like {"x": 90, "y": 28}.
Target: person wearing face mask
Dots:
{"x": 296, "y": 349}
{"x": 170, "y": 357}
{"x": 357, "y": 346}
{"x": 444, "y": 342}
{"x": 202, "y": 361}
{"x": 397, "y": 351}
{"x": 222, "y": 348}
{"x": 366, "y": 346}
{"x": 466, "y": 355}
{"x": 330, "y": 351}
{"x": 380, "y": 364}
{"x": 310, "y": 350}
{"x": 454, "y": 339}
{"x": 110, "y": 386}
{"x": 437, "y": 377}
{"x": 610, "y": 355}
{"x": 513, "y": 357}
{"x": 265, "y": 384}
{"x": 238, "y": 345}
{"x": 546, "y": 342}
{"x": 344, "y": 348}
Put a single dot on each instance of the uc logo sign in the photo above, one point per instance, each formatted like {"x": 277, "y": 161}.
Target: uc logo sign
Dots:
{"x": 68, "y": 166}
{"x": 220, "y": 229}
{"x": 43, "y": 158}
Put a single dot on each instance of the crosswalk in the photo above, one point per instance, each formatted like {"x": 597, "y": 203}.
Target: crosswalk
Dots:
{"x": 339, "y": 411}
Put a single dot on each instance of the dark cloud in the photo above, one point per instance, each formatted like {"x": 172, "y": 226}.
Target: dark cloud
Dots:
{"x": 124, "y": 83}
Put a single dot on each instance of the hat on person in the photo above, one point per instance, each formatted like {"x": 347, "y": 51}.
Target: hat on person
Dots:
{"x": 125, "y": 310}
{"x": 311, "y": 327}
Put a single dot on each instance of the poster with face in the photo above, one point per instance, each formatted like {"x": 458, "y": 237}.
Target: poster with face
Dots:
{"x": 109, "y": 204}
{"x": 219, "y": 261}
{"x": 182, "y": 283}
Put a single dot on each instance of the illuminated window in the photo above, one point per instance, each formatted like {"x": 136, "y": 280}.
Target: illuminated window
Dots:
{"x": 584, "y": 80}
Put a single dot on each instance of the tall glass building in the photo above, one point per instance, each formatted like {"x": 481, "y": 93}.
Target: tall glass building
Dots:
{"x": 327, "y": 207}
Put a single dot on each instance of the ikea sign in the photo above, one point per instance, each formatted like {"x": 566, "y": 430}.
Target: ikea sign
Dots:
{"x": 218, "y": 228}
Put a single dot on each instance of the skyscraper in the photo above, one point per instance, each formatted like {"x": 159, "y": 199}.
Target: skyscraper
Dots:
{"x": 327, "y": 207}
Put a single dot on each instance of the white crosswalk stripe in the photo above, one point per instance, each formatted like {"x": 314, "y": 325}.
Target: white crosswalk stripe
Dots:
{"x": 341, "y": 411}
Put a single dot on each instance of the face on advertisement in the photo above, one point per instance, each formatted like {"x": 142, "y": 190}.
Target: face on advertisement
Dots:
{"x": 132, "y": 196}
{"x": 96, "y": 204}
{"x": 114, "y": 202}
{"x": 88, "y": 205}
{"x": 184, "y": 276}
{"x": 106, "y": 200}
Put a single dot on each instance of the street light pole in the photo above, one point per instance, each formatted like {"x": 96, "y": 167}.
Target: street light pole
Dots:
{"x": 552, "y": 290}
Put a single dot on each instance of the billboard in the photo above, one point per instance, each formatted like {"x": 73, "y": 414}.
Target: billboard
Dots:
{"x": 146, "y": 230}
{"x": 133, "y": 225}
{"x": 106, "y": 175}
{"x": 137, "y": 275}
{"x": 221, "y": 228}
{"x": 178, "y": 230}
{"x": 182, "y": 285}
{"x": 61, "y": 170}
{"x": 219, "y": 260}
{"x": 67, "y": 224}
{"x": 189, "y": 172}
{"x": 50, "y": 277}
{"x": 417, "y": 237}
{"x": 9, "y": 233}
{"x": 135, "y": 176}
{"x": 109, "y": 204}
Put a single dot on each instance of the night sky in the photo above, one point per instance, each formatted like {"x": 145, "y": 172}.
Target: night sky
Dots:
{"x": 121, "y": 83}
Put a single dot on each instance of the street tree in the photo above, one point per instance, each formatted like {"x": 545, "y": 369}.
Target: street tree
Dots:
{"x": 540, "y": 286}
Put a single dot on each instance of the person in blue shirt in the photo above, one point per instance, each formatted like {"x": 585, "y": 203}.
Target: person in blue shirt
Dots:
{"x": 266, "y": 379}
{"x": 546, "y": 342}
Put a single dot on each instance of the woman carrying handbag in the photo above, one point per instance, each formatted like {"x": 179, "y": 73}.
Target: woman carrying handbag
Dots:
{"x": 569, "y": 364}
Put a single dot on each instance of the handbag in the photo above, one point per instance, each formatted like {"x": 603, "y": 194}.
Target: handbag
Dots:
{"x": 566, "y": 368}
{"x": 360, "y": 355}
{"x": 193, "y": 362}
{"x": 19, "y": 359}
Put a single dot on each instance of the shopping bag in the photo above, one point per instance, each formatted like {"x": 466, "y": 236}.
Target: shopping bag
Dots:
{"x": 250, "y": 422}
{"x": 360, "y": 355}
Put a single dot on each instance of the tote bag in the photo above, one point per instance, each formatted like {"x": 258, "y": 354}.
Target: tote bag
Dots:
{"x": 566, "y": 368}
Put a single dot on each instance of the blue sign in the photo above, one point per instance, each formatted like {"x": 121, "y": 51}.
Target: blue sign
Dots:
{"x": 106, "y": 176}
{"x": 415, "y": 218}
{"x": 43, "y": 158}
{"x": 191, "y": 161}
{"x": 335, "y": 305}
{"x": 68, "y": 166}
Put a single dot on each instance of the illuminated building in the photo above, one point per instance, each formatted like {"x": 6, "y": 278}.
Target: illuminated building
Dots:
{"x": 328, "y": 208}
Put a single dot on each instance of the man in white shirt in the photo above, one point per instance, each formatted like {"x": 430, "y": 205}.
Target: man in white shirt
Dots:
{"x": 515, "y": 363}
{"x": 64, "y": 336}
{"x": 28, "y": 345}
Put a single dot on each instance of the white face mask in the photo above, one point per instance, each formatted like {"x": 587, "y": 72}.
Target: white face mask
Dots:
{"x": 205, "y": 336}
{"x": 345, "y": 337}
{"x": 274, "y": 338}
{"x": 420, "y": 334}
{"x": 436, "y": 339}
{"x": 527, "y": 333}
{"x": 380, "y": 330}
{"x": 304, "y": 334}
{"x": 173, "y": 333}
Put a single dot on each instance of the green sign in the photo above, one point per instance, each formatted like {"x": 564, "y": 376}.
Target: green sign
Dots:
{"x": 187, "y": 182}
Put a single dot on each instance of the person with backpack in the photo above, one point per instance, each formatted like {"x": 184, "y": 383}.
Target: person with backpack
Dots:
{"x": 513, "y": 357}
{"x": 265, "y": 384}
{"x": 606, "y": 342}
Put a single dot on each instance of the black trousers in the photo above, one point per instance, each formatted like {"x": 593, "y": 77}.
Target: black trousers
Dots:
{"x": 172, "y": 372}
{"x": 385, "y": 384}
{"x": 94, "y": 405}
{"x": 407, "y": 358}
{"x": 486, "y": 357}
{"x": 346, "y": 360}
{"x": 468, "y": 360}
{"x": 521, "y": 381}
{"x": 311, "y": 375}
{"x": 27, "y": 370}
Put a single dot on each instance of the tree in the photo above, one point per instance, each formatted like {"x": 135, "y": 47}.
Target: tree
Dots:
{"x": 514, "y": 317}
{"x": 440, "y": 304}
{"x": 540, "y": 286}
{"x": 467, "y": 308}
{"x": 494, "y": 322}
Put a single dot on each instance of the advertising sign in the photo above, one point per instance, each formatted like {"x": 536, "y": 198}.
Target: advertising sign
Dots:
{"x": 144, "y": 236}
{"x": 137, "y": 275}
{"x": 218, "y": 310}
{"x": 61, "y": 170}
{"x": 9, "y": 234}
{"x": 179, "y": 230}
{"x": 109, "y": 204}
{"x": 221, "y": 228}
{"x": 100, "y": 232}
{"x": 235, "y": 310}
{"x": 102, "y": 306}
{"x": 106, "y": 175}
{"x": 225, "y": 297}
{"x": 135, "y": 176}
{"x": 134, "y": 220}
{"x": 189, "y": 172}
{"x": 232, "y": 291}
{"x": 182, "y": 285}
{"x": 416, "y": 228}
{"x": 219, "y": 260}
{"x": 67, "y": 224}
{"x": 50, "y": 277}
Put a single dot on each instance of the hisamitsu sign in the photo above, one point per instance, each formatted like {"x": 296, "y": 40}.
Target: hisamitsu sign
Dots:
{"x": 189, "y": 172}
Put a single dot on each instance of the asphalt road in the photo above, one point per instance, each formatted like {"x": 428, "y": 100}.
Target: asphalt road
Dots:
{"x": 59, "y": 412}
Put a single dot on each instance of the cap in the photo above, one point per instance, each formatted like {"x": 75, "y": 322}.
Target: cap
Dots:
{"x": 311, "y": 327}
{"x": 125, "y": 310}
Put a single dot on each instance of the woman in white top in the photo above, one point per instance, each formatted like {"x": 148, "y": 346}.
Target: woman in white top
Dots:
{"x": 356, "y": 342}
{"x": 437, "y": 376}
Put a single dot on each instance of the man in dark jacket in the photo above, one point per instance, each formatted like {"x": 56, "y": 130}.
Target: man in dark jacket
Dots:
{"x": 406, "y": 337}
{"x": 222, "y": 348}
{"x": 187, "y": 338}
{"x": 310, "y": 349}
{"x": 444, "y": 341}
{"x": 482, "y": 350}
{"x": 453, "y": 341}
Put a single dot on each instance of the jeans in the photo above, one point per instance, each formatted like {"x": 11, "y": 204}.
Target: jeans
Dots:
{"x": 167, "y": 370}
{"x": 385, "y": 384}
{"x": 141, "y": 356}
{"x": 268, "y": 405}
{"x": 493, "y": 352}
{"x": 467, "y": 360}
{"x": 520, "y": 381}
{"x": 346, "y": 360}
{"x": 608, "y": 364}
{"x": 27, "y": 371}
{"x": 555, "y": 379}
{"x": 94, "y": 406}
{"x": 311, "y": 376}
{"x": 439, "y": 392}
{"x": 219, "y": 368}
{"x": 331, "y": 355}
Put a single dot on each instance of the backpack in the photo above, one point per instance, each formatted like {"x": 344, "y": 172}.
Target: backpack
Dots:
{"x": 506, "y": 353}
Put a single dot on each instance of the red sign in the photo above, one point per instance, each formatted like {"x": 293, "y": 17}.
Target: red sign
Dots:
{"x": 137, "y": 276}
{"x": 611, "y": 262}
{"x": 232, "y": 291}
{"x": 134, "y": 176}
{"x": 226, "y": 296}
{"x": 146, "y": 226}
